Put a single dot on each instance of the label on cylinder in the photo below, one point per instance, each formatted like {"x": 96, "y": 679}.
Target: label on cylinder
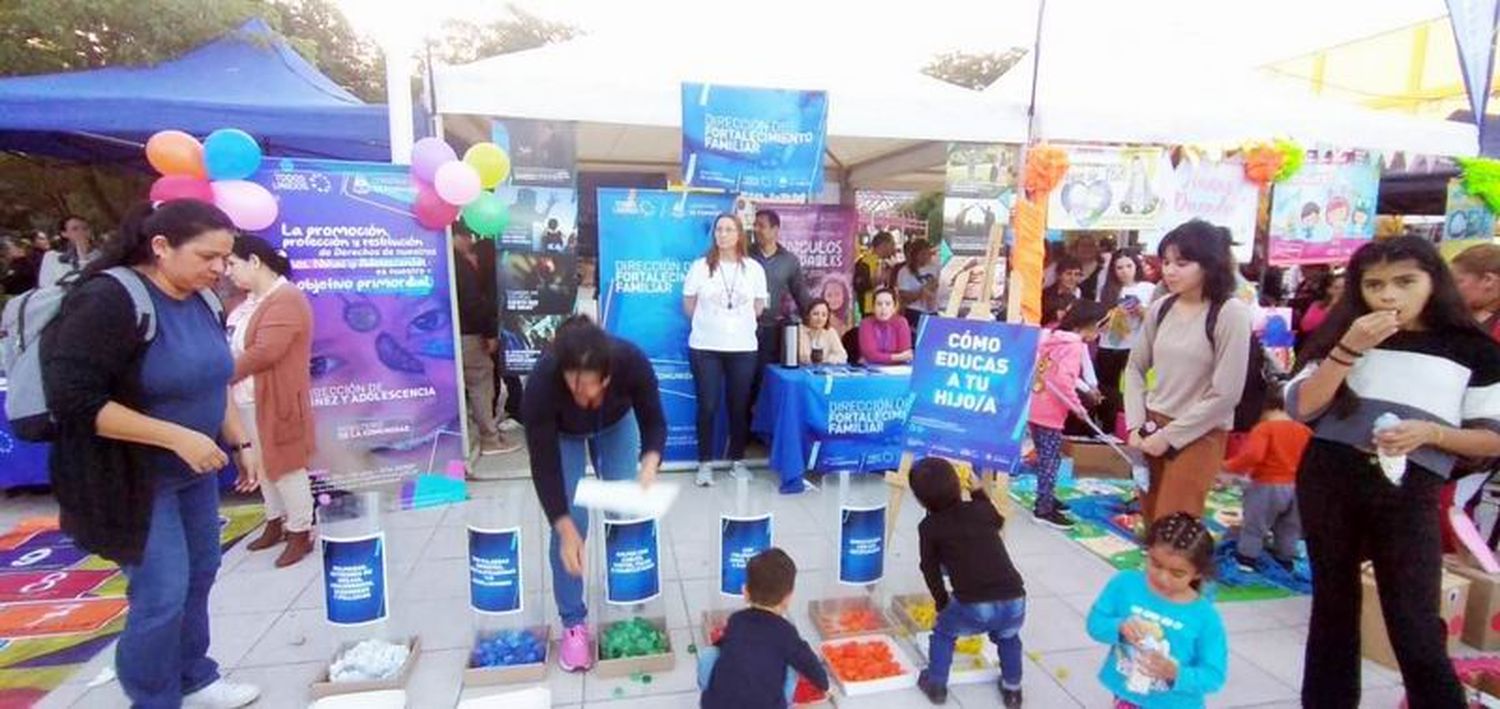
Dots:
{"x": 354, "y": 580}
{"x": 740, "y": 539}
{"x": 495, "y": 570}
{"x": 631, "y": 569}
{"x": 861, "y": 544}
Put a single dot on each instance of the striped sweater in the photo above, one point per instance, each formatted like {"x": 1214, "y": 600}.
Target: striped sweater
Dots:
{"x": 1448, "y": 378}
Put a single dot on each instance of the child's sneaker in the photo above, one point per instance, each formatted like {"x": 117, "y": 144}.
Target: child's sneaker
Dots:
{"x": 1246, "y": 564}
{"x": 1011, "y": 698}
{"x": 935, "y": 693}
{"x": 1055, "y": 519}
{"x": 705, "y": 477}
{"x": 576, "y": 649}
{"x": 1290, "y": 565}
{"x": 1062, "y": 506}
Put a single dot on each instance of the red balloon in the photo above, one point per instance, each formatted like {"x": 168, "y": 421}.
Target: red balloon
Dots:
{"x": 431, "y": 211}
{"x": 169, "y": 187}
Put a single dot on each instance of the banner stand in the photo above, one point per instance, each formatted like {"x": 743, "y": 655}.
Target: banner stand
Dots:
{"x": 356, "y": 587}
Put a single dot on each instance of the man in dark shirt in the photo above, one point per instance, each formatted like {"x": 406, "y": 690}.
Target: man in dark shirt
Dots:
{"x": 783, "y": 280}
{"x": 478, "y": 327}
{"x": 590, "y": 389}
{"x": 755, "y": 665}
{"x": 963, "y": 538}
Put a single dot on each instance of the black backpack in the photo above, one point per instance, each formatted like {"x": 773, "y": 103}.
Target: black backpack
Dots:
{"x": 1260, "y": 371}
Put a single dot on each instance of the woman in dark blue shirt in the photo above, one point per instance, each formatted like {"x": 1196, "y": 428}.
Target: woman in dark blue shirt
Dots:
{"x": 139, "y": 431}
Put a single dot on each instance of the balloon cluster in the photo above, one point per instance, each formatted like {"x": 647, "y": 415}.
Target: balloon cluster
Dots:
{"x": 214, "y": 171}
{"x": 448, "y": 187}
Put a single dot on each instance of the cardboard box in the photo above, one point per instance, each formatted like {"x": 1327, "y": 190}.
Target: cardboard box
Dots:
{"x": 1095, "y": 460}
{"x": 1482, "y": 611}
{"x": 907, "y": 677}
{"x": 325, "y": 687}
{"x": 627, "y": 666}
{"x": 512, "y": 674}
{"x": 824, "y": 610}
{"x": 901, "y": 605}
{"x": 1375, "y": 645}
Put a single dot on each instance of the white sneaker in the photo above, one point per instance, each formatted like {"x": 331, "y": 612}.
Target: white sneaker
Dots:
{"x": 705, "y": 475}
{"x": 222, "y": 694}
{"x": 739, "y": 470}
{"x": 509, "y": 425}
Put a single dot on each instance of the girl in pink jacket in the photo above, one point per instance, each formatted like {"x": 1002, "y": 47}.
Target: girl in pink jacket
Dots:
{"x": 1054, "y": 394}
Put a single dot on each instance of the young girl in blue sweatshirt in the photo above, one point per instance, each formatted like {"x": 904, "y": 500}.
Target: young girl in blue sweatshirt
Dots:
{"x": 1167, "y": 643}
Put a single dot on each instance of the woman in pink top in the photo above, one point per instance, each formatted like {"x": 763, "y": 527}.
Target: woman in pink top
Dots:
{"x": 885, "y": 338}
{"x": 1054, "y": 394}
{"x": 1317, "y": 312}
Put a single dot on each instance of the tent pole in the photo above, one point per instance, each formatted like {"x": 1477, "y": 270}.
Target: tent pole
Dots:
{"x": 398, "y": 101}
{"x": 1036, "y": 70}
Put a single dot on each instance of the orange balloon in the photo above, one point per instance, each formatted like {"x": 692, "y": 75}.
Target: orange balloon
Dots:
{"x": 173, "y": 152}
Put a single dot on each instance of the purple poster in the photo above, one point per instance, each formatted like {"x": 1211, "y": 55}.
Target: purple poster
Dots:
{"x": 822, "y": 237}
{"x": 385, "y": 387}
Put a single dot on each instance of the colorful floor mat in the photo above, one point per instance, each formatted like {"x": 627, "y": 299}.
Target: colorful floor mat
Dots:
{"x": 1107, "y": 518}
{"x": 60, "y": 605}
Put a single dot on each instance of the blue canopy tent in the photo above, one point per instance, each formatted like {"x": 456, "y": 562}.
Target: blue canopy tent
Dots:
{"x": 250, "y": 78}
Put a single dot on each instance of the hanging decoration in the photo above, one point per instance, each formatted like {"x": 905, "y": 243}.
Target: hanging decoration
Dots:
{"x": 1263, "y": 161}
{"x": 214, "y": 171}
{"x": 1045, "y": 168}
{"x": 1481, "y": 178}
{"x": 449, "y": 188}
{"x": 1294, "y": 155}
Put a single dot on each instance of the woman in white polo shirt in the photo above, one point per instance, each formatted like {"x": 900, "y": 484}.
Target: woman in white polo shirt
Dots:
{"x": 724, "y": 293}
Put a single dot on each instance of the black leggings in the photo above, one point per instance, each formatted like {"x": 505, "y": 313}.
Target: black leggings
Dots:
{"x": 730, "y": 374}
{"x": 1350, "y": 509}
{"x": 1110, "y": 367}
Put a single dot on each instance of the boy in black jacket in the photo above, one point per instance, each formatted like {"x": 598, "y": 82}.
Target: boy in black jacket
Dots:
{"x": 756, "y": 663}
{"x": 963, "y": 538}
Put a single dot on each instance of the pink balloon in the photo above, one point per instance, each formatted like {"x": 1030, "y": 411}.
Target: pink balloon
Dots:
{"x": 432, "y": 212}
{"x": 457, "y": 183}
{"x": 250, "y": 206}
{"x": 429, "y": 154}
{"x": 170, "y": 187}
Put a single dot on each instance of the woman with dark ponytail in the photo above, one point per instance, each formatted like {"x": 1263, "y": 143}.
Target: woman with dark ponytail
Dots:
{"x": 270, "y": 335}
{"x": 141, "y": 432}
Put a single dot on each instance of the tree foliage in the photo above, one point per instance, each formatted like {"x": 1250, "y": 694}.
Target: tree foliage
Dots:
{"x": 463, "y": 42}
{"x": 973, "y": 70}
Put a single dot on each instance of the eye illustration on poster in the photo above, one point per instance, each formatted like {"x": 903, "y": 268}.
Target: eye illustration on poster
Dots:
{"x": 384, "y": 374}
{"x": 1326, "y": 211}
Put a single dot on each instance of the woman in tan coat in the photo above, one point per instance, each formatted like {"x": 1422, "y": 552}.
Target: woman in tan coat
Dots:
{"x": 271, "y": 338}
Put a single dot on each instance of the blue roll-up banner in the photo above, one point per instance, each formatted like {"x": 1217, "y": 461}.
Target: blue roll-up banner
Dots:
{"x": 632, "y": 572}
{"x": 740, "y": 539}
{"x": 971, "y": 382}
{"x": 647, "y": 241}
{"x": 495, "y": 570}
{"x": 861, "y": 544}
{"x": 354, "y": 580}
{"x": 766, "y": 144}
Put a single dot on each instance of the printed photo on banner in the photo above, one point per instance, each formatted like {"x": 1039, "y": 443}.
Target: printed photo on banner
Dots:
{"x": 1216, "y": 192}
{"x": 740, "y": 539}
{"x": 1466, "y": 222}
{"x": 861, "y": 545}
{"x": 763, "y": 143}
{"x": 632, "y": 572}
{"x": 523, "y": 337}
{"x": 384, "y": 375}
{"x": 980, "y": 170}
{"x": 542, "y": 153}
{"x": 495, "y": 586}
{"x": 971, "y": 385}
{"x": 1110, "y": 188}
{"x": 822, "y": 239}
{"x": 539, "y": 283}
{"x": 647, "y": 241}
{"x": 541, "y": 219}
{"x": 354, "y": 579}
{"x": 1326, "y": 211}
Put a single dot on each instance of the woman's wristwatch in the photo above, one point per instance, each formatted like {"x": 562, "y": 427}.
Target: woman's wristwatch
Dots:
{"x": 237, "y": 447}
{"x": 1147, "y": 428}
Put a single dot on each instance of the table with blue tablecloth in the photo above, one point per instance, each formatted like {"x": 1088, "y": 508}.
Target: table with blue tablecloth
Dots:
{"x": 830, "y": 419}
{"x": 21, "y": 463}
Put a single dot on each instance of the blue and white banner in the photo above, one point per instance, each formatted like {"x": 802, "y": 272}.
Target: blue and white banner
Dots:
{"x": 632, "y": 572}
{"x": 861, "y": 545}
{"x": 971, "y": 382}
{"x": 740, "y": 539}
{"x": 860, "y": 419}
{"x": 647, "y": 241}
{"x": 1474, "y": 26}
{"x": 495, "y": 570}
{"x": 763, "y": 143}
{"x": 354, "y": 580}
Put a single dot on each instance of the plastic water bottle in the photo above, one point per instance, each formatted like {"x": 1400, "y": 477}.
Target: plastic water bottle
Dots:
{"x": 1394, "y": 466}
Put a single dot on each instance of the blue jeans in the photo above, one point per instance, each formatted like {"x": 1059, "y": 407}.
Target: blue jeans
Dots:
{"x": 163, "y": 653}
{"x": 708, "y": 656}
{"x": 731, "y": 374}
{"x": 616, "y": 453}
{"x": 1002, "y": 620}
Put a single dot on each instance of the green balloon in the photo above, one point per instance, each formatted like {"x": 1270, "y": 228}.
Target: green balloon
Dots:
{"x": 487, "y": 215}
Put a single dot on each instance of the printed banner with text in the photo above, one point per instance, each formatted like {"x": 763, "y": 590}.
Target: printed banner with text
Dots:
{"x": 978, "y": 193}
{"x": 1110, "y": 188}
{"x": 766, "y": 144}
{"x": 971, "y": 386}
{"x": 1326, "y": 211}
{"x": 647, "y": 241}
{"x": 1216, "y": 192}
{"x": 1466, "y": 222}
{"x": 385, "y": 385}
{"x": 822, "y": 238}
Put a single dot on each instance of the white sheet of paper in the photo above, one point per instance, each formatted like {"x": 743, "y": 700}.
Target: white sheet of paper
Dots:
{"x": 626, "y": 497}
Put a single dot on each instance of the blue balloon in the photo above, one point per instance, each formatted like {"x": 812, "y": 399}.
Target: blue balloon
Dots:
{"x": 230, "y": 154}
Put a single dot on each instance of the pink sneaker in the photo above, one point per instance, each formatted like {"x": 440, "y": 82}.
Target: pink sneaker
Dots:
{"x": 576, "y": 649}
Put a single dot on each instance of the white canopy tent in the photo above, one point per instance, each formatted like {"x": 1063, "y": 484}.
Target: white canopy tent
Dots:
{"x": 887, "y": 125}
